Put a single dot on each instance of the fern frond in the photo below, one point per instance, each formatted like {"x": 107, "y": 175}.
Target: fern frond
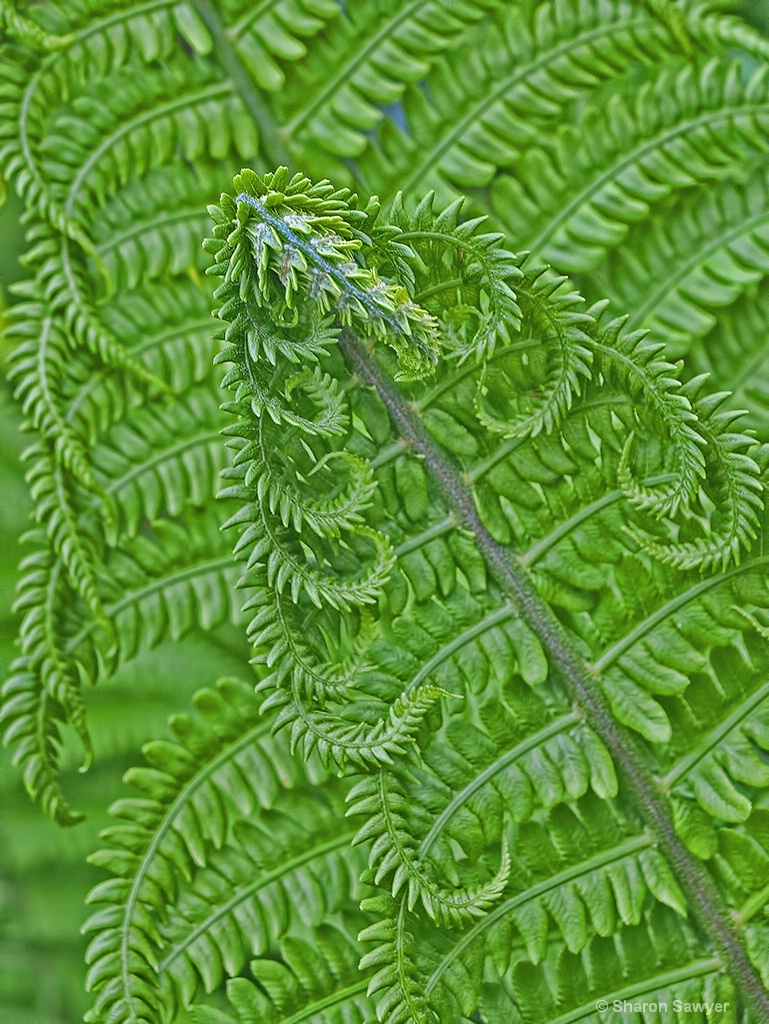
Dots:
{"x": 161, "y": 462}
{"x": 189, "y": 794}
{"x": 268, "y": 37}
{"x": 735, "y": 476}
{"x": 717, "y": 241}
{"x": 487, "y": 102}
{"x": 673, "y": 443}
{"x": 395, "y": 984}
{"x": 342, "y": 742}
{"x": 243, "y": 901}
{"x": 449, "y": 477}
{"x": 368, "y": 59}
{"x": 37, "y": 368}
{"x": 153, "y": 589}
{"x": 624, "y": 977}
{"x": 571, "y": 203}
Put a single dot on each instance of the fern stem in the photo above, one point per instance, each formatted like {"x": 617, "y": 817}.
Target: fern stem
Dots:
{"x": 581, "y": 679}
{"x": 271, "y": 143}
{"x": 415, "y": 543}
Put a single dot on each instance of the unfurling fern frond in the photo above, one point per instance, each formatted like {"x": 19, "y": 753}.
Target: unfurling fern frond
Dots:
{"x": 518, "y": 385}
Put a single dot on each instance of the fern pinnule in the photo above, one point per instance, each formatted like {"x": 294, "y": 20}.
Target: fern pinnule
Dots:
{"x": 569, "y": 889}
{"x": 78, "y": 550}
{"x": 67, "y": 294}
{"x": 340, "y": 742}
{"x": 151, "y": 227}
{"x": 28, "y": 32}
{"x": 20, "y": 114}
{"x": 163, "y": 461}
{"x": 149, "y": 590}
{"x": 32, "y": 720}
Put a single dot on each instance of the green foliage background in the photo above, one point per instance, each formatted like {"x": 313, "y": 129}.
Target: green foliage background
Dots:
{"x": 44, "y": 878}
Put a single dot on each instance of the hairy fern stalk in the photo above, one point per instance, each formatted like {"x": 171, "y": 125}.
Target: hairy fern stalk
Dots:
{"x": 460, "y": 561}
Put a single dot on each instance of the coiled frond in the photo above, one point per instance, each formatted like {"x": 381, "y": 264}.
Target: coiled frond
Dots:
{"x": 658, "y": 447}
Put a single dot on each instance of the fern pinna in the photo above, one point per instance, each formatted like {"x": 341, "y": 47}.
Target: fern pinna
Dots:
{"x": 502, "y": 555}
